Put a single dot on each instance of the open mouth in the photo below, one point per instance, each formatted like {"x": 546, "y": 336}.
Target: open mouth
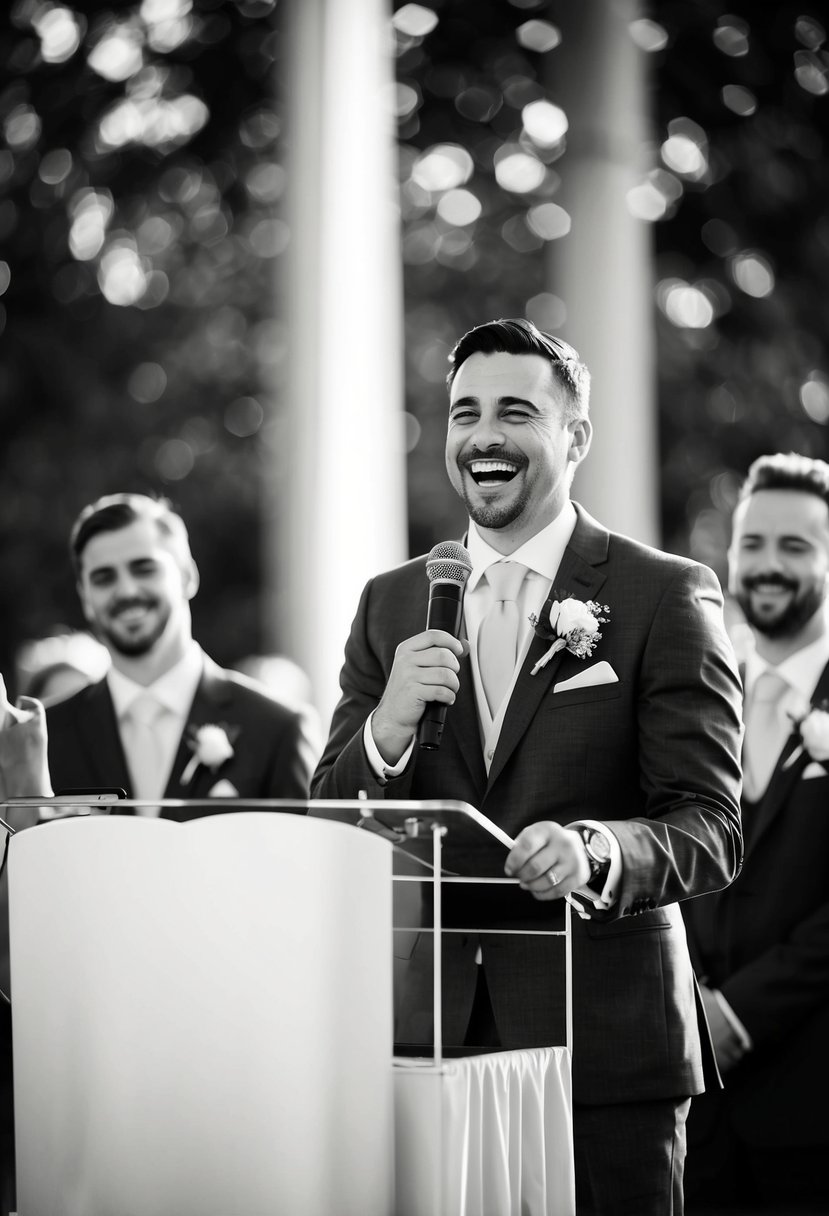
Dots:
{"x": 772, "y": 588}
{"x": 492, "y": 472}
{"x": 131, "y": 613}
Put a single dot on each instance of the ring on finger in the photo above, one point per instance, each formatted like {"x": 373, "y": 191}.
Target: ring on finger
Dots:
{"x": 553, "y": 877}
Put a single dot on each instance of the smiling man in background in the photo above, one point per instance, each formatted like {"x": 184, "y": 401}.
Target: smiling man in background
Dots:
{"x": 604, "y": 743}
{"x": 166, "y": 722}
{"x": 761, "y": 947}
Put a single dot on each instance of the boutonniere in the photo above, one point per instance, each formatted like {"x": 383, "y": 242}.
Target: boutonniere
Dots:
{"x": 814, "y": 735}
{"x": 211, "y": 746}
{"x": 570, "y": 624}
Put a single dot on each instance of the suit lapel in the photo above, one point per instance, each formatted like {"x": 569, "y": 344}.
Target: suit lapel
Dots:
{"x": 578, "y": 575}
{"x": 209, "y": 703}
{"x": 101, "y": 738}
{"x": 783, "y": 779}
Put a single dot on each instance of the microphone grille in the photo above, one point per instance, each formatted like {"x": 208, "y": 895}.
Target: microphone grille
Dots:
{"x": 448, "y": 562}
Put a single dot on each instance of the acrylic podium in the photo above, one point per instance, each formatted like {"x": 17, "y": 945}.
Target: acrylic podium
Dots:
{"x": 202, "y": 1020}
{"x": 486, "y": 1134}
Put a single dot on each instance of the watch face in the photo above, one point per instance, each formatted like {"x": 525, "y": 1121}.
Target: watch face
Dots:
{"x": 598, "y": 846}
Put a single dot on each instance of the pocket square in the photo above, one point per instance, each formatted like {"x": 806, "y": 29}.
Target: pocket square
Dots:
{"x": 223, "y": 789}
{"x": 599, "y": 673}
{"x": 813, "y": 770}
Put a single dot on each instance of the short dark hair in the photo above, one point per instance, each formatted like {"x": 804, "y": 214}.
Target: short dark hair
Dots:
{"x": 116, "y": 511}
{"x": 517, "y": 336}
{"x": 787, "y": 471}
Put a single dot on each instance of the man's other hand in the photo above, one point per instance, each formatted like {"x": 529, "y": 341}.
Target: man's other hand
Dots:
{"x": 548, "y": 860}
{"x": 727, "y": 1047}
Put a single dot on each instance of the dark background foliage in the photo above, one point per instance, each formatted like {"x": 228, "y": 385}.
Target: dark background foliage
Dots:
{"x": 173, "y": 391}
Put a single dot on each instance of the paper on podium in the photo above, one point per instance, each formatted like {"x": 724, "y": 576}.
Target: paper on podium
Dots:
{"x": 202, "y": 1017}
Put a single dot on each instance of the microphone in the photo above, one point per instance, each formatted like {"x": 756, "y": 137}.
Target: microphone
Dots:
{"x": 448, "y": 566}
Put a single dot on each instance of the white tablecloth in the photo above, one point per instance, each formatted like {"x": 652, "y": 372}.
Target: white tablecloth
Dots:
{"x": 488, "y": 1135}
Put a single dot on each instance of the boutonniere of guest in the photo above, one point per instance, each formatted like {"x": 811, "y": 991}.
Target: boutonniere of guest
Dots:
{"x": 211, "y": 746}
{"x": 814, "y": 735}
{"x": 569, "y": 624}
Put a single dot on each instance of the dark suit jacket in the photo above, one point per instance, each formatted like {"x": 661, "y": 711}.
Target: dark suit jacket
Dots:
{"x": 655, "y": 756}
{"x": 271, "y": 759}
{"x": 764, "y": 943}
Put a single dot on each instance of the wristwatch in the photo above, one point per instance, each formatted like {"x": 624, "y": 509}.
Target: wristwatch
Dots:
{"x": 597, "y": 848}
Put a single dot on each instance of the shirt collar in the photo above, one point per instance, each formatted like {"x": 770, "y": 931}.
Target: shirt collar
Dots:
{"x": 801, "y": 670}
{"x": 174, "y": 690}
{"x": 541, "y": 553}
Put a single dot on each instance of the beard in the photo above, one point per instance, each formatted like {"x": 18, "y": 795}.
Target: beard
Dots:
{"x": 794, "y": 617}
{"x": 129, "y": 645}
{"x": 495, "y": 515}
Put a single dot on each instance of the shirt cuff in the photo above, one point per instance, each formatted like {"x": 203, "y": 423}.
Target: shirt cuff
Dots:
{"x": 734, "y": 1022}
{"x": 610, "y": 891}
{"x": 381, "y": 770}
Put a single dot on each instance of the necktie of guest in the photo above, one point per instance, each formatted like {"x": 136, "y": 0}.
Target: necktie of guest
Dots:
{"x": 143, "y": 747}
{"x": 498, "y": 634}
{"x": 766, "y": 730}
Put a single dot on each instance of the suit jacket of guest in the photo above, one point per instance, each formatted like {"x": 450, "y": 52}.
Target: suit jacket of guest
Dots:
{"x": 271, "y": 756}
{"x": 764, "y": 943}
{"x": 654, "y": 756}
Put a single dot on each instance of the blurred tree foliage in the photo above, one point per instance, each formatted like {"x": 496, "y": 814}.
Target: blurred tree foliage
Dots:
{"x": 140, "y": 236}
{"x": 736, "y": 196}
{"x": 138, "y": 183}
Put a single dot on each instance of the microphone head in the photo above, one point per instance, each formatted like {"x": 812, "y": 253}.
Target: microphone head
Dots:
{"x": 448, "y": 562}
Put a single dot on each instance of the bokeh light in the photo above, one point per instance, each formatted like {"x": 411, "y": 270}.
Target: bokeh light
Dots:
{"x": 119, "y": 52}
{"x": 538, "y": 36}
{"x": 752, "y": 273}
{"x": 518, "y": 171}
{"x": 443, "y": 167}
{"x": 60, "y": 31}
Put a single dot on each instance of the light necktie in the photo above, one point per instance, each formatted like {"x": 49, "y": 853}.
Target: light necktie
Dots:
{"x": 143, "y": 748}
{"x": 498, "y": 634}
{"x": 766, "y": 731}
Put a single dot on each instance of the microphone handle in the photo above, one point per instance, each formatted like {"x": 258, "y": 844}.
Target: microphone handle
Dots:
{"x": 445, "y": 605}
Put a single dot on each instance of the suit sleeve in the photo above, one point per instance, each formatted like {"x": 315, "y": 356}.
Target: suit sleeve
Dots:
{"x": 344, "y": 769}
{"x": 292, "y": 761}
{"x": 782, "y": 986}
{"x": 689, "y": 735}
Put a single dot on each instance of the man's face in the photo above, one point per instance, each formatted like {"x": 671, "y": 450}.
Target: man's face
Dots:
{"x": 779, "y": 560}
{"x": 134, "y": 589}
{"x": 509, "y": 451}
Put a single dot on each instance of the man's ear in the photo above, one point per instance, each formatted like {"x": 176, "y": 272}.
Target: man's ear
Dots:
{"x": 87, "y": 613}
{"x": 190, "y": 578}
{"x": 582, "y": 434}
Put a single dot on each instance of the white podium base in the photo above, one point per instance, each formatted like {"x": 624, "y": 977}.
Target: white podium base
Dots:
{"x": 202, "y": 1017}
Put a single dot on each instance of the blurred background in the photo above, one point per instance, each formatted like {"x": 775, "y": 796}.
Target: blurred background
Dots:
{"x": 239, "y": 237}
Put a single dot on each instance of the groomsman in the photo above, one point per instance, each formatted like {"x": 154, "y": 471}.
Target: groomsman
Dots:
{"x": 166, "y": 721}
{"x": 761, "y": 946}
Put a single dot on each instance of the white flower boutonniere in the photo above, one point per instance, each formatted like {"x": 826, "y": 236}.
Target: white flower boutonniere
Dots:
{"x": 814, "y": 734}
{"x": 211, "y": 747}
{"x": 570, "y": 624}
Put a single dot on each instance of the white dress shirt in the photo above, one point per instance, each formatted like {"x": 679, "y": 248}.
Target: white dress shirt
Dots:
{"x": 800, "y": 670}
{"x": 542, "y": 554}
{"x": 174, "y": 691}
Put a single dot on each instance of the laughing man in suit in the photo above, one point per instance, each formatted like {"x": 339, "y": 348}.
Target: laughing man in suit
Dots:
{"x": 211, "y": 733}
{"x": 616, "y": 773}
{"x": 762, "y": 945}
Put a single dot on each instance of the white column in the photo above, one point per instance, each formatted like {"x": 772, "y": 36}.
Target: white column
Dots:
{"x": 341, "y": 485}
{"x": 602, "y": 269}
